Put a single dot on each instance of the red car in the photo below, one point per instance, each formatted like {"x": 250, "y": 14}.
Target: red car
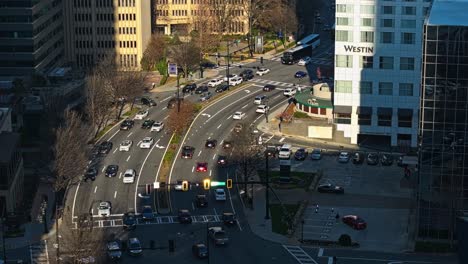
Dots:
{"x": 355, "y": 222}
{"x": 202, "y": 166}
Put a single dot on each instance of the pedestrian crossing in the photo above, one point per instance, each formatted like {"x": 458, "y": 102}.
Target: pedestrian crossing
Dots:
{"x": 318, "y": 223}
{"x": 39, "y": 253}
{"x": 300, "y": 255}
{"x": 276, "y": 83}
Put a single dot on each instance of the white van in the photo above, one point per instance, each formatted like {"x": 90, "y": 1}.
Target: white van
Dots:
{"x": 285, "y": 151}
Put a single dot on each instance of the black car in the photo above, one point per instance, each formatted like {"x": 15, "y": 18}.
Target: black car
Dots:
{"x": 301, "y": 154}
{"x": 271, "y": 151}
{"x": 147, "y": 213}
{"x": 187, "y": 152}
{"x": 111, "y": 170}
{"x": 211, "y": 143}
{"x": 372, "y": 159}
{"x": 184, "y": 216}
{"x": 90, "y": 174}
{"x": 114, "y": 249}
{"x": 201, "y": 89}
{"x": 127, "y": 124}
{"x": 209, "y": 65}
{"x": 201, "y": 200}
{"x": 147, "y": 124}
{"x": 173, "y": 102}
{"x": 269, "y": 87}
{"x": 386, "y": 159}
{"x": 229, "y": 218}
{"x": 227, "y": 144}
{"x": 358, "y": 158}
{"x": 222, "y": 160}
{"x": 221, "y": 88}
{"x": 129, "y": 221}
{"x": 246, "y": 74}
{"x": 147, "y": 101}
{"x": 330, "y": 188}
{"x": 189, "y": 88}
{"x": 105, "y": 147}
{"x": 200, "y": 250}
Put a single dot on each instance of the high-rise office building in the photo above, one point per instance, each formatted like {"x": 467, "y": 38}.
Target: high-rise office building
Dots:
{"x": 443, "y": 160}
{"x": 31, "y": 36}
{"x": 378, "y": 47}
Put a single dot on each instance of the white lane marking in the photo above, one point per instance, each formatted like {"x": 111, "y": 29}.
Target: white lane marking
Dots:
{"x": 139, "y": 176}
{"x": 74, "y": 200}
{"x": 214, "y": 156}
{"x": 139, "y": 142}
{"x": 165, "y": 117}
{"x": 281, "y": 139}
{"x": 232, "y": 205}
{"x": 103, "y": 168}
{"x": 330, "y": 260}
{"x": 244, "y": 106}
{"x": 222, "y": 110}
{"x": 193, "y": 168}
{"x": 229, "y": 117}
{"x": 92, "y": 211}
{"x": 89, "y": 162}
{"x": 120, "y": 175}
{"x": 115, "y": 150}
{"x": 164, "y": 108}
{"x": 165, "y": 99}
{"x": 216, "y": 213}
{"x": 210, "y": 173}
{"x": 95, "y": 189}
{"x": 277, "y": 96}
{"x": 320, "y": 252}
{"x": 129, "y": 134}
{"x": 193, "y": 207}
{"x": 219, "y": 126}
{"x": 115, "y": 194}
{"x": 129, "y": 157}
{"x": 269, "y": 138}
{"x": 199, "y": 153}
{"x": 113, "y": 135}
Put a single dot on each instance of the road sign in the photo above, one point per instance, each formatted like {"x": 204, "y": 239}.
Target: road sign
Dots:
{"x": 217, "y": 183}
{"x": 156, "y": 185}
{"x": 172, "y": 69}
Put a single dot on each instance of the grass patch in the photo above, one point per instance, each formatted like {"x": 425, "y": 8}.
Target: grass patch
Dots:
{"x": 434, "y": 247}
{"x": 299, "y": 179}
{"x": 170, "y": 153}
{"x": 107, "y": 128}
{"x": 176, "y": 139}
{"x": 280, "y": 218}
{"x": 300, "y": 115}
{"x": 197, "y": 107}
{"x": 131, "y": 112}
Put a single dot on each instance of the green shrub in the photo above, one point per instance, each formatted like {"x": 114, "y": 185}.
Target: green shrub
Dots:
{"x": 163, "y": 80}
{"x": 344, "y": 240}
{"x": 197, "y": 107}
{"x": 161, "y": 66}
{"x": 300, "y": 115}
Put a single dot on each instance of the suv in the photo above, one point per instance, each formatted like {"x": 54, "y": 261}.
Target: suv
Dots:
{"x": 201, "y": 89}
{"x": 184, "y": 216}
{"x": 114, "y": 250}
{"x": 246, "y": 75}
{"x": 134, "y": 246}
{"x": 189, "y": 88}
{"x": 218, "y": 235}
{"x": 285, "y": 152}
{"x": 129, "y": 221}
{"x": 147, "y": 101}
{"x": 105, "y": 147}
{"x": 90, "y": 174}
{"x": 127, "y": 124}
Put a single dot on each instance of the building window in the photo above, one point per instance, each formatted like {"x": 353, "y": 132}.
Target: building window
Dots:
{"x": 386, "y": 37}
{"x": 344, "y": 21}
{"x": 368, "y": 9}
{"x": 342, "y": 118}
{"x": 365, "y": 87}
{"x": 384, "y": 120}
{"x": 367, "y": 36}
{"x": 343, "y": 86}
{"x": 344, "y": 61}
{"x": 406, "y": 64}
{"x": 408, "y": 10}
{"x": 405, "y": 89}
{"x": 341, "y": 8}
{"x": 343, "y": 35}
{"x": 408, "y": 38}
{"x": 386, "y": 63}
{"x": 408, "y": 23}
{"x": 387, "y": 22}
{"x": 385, "y": 88}
{"x": 405, "y": 117}
{"x": 367, "y": 22}
{"x": 367, "y": 62}
{"x": 388, "y": 10}
{"x": 364, "y": 115}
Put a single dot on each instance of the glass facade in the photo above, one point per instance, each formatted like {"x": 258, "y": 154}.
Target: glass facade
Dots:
{"x": 443, "y": 156}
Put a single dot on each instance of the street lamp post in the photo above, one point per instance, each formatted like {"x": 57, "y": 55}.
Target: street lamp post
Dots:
{"x": 302, "y": 231}
{"x": 267, "y": 203}
{"x": 178, "y": 92}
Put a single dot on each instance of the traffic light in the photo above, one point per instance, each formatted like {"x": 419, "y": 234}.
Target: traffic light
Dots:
{"x": 185, "y": 186}
{"x": 229, "y": 183}
{"x": 261, "y": 60}
{"x": 206, "y": 184}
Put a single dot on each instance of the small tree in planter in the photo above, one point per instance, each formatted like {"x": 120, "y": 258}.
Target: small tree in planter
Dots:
{"x": 345, "y": 240}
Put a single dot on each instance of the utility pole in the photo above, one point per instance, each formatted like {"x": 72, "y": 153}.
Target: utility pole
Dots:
{"x": 227, "y": 69}
{"x": 178, "y": 92}
{"x": 267, "y": 203}
{"x": 249, "y": 40}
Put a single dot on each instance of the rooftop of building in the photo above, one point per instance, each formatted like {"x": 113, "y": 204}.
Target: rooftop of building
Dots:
{"x": 448, "y": 13}
{"x": 9, "y": 142}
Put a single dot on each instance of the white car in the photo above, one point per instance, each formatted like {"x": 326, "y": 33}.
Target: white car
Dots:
{"x": 259, "y": 99}
{"x": 235, "y": 81}
{"x": 262, "y": 71}
{"x": 141, "y": 115}
{"x": 262, "y": 109}
{"x": 231, "y": 76}
{"x": 104, "y": 208}
{"x": 129, "y": 176}
{"x": 238, "y": 115}
{"x": 146, "y": 143}
{"x": 289, "y": 92}
{"x": 125, "y": 145}
{"x": 344, "y": 157}
{"x": 157, "y": 126}
{"x": 304, "y": 61}
{"x": 220, "y": 195}
{"x": 215, "y": 82}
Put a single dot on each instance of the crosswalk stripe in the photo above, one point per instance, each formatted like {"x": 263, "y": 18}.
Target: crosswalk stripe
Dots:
{"x": 299, "y": 254}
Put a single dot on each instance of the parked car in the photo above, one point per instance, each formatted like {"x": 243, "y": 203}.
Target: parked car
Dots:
{"x": 222, "y": 88}
{"x": 316, "y": 154}
{"x": 355, "y": 222}
{"x": 344, "y": 157}
{"x": 188, "y": 88}
{"x": 129, "y": 221}
{"x": 184, "y": 216}
{"x": 301, "y": 154}
{"x": 127, "y": 124}
{"x": 300, "y": 74}
{"x": 269, "y": 87}
{"x": 201, "y": 89}
{"x": 147, "y": 213}
{"x": 205, "y": 96}
{"x": 200, "y": 250}
{"x": 215, "y": 82}
{"x": 134, "y": 246}
{"x": 187, "y": 152}
{"x": 372, "y": 159}
{"x": 386, "y": 159}
{"x": 330, "y": 188}
{"x": 358, "y": 158}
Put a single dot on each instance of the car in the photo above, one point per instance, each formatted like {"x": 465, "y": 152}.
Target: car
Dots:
{"x": 355, "y": 222}
{"x": 187, "y": 152}
{"x": 271, "y": 151}
{"x": 220, "y": 195}
{"x": 247, "y": 75}
{"x": 157, "y": 126}
{"x": 105, "y": 147}
{"x": 129, "y": 221}
{"x": 227, "y": 144}
{"x": 300, "y": 74}
{"x": 201, "y": 166}
{"x": 215, "y": 82}
{"x": 147, "y": 213}
{"x": 218, "y": 235}
{"x": 134, "y": 246}
{"x": 386, "y": 159}
{"x": 344, "y": 157}
{"x": 358, "y": 158}
{"x": 301, "y": 154}
{"x": 114, "y": 250}
{"x": 211, "y": 143}
{"x": 316, "y": 154}
{"x": 246, "y": 72}
{"x": 269, "y": 87}
{"x": 304, "y": 61}
{"x": 201, "y": 200}
{"x": 235, "y": 81}
{"x": 222, "y": 88}
{"x": 173, "y": 102}
{"x": 238, "y": 115}
{"x": 188, "y": 88}
{"x": 200, "y": 250}
{"x": 201, "y": 89}
{"x": 127, "y": 124}
{"x": 262, "y": 71}
{"x": 205, "y": 96}
{"x": 178, "y": 186}
{"x": 238, "y": 127}
{"x": 129, "y": 176}
{"x": 146, "y": 143}
{"x": 184, "y": 216}
{"x": 147, "y": 124}
{"x": 262, "y": 109}
{"x": 228, "y": 218}
{"x": 111, "y": 170}
{"x": 260, "y": 99}
{"x": 209, "y": 65}
{"x": 330, "y": 188}
{"x": 222, "y": 160}
{"x": 125, "y": 145}
{"x": 104, "y": 208}
{"x": 289, "y": 92}
{"x": 230, "y": 76}
{"x": 147, "y": 101}
{"x": 90, "y": 174}
{"x": 372, "y": 159}
{"x": 141, "y": 115}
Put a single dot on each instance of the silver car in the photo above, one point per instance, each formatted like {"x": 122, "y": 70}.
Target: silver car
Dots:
{"x": 316, "y": 154}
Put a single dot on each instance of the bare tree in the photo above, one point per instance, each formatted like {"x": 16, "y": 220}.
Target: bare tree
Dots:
{"x": 154, "y": 53}
{"x": 98, "y": 106}
{"x": 282, "y": 17}
{"x": 178, "y": 122}
{"x": 185, "y": 55}
{"x": 203, "y": 25}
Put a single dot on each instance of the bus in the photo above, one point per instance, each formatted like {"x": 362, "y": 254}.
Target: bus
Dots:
{"x": 293, "y": 55}
{"x": 313, "y": 39}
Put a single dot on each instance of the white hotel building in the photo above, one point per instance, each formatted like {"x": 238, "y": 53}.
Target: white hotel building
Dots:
{"x": 378, "y": 51}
